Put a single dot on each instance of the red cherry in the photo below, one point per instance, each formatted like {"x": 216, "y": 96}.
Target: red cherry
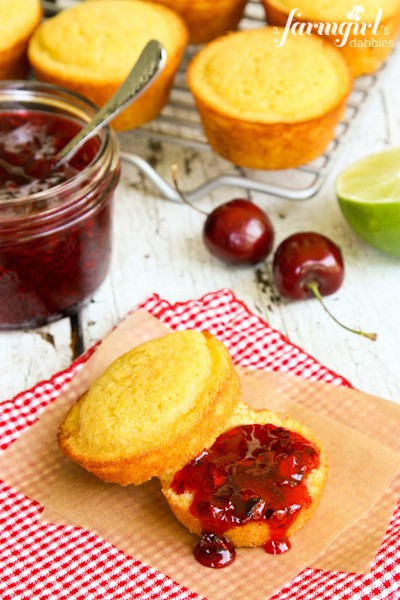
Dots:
{"x": 304, "y": 258}
{"x": 309, "y": 264}
{"x": 238, "y": 232}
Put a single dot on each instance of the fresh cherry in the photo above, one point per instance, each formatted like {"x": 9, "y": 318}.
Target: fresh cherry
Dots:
{"x": 304, "y": 258}
{"x": 308, "y": 264}
{"x": 237, "y": 232}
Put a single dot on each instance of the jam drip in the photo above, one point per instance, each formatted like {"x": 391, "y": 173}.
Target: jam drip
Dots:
{"x": 214, "y": 551}
{"x": 251, "y": 473}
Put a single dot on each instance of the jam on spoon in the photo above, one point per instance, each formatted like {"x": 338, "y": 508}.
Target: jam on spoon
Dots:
{"x": 252, "y": 473}
{"x": 29, "y": 145}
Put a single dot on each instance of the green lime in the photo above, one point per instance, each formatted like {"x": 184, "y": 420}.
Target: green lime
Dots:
{"x": 368, "y": 193}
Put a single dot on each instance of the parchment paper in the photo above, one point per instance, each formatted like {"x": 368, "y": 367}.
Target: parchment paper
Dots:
{"x": 358, "y": 431}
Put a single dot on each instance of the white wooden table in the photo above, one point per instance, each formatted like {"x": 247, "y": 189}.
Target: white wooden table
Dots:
{"x": 158, "y": 248}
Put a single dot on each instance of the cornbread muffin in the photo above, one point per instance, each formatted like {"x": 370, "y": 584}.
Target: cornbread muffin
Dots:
{"x": 153, "y": 409}
{"x": 18, "y": 20}
{"x": 208, "y": 19}
{"x": 267, "y": 516}
{"x": 91, "y": 48}
{"x": 269, "y": 107}
{"x": 365, "y": 48}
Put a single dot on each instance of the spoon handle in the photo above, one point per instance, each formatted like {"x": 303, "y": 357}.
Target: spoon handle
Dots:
{"x": 149, "y": 64}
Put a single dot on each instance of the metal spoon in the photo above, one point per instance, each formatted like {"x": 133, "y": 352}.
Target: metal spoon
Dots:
{"x": 149, "y": 64}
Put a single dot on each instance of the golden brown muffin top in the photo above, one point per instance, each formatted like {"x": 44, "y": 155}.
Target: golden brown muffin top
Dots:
{"x": 154, "y": 407}
{"x": 100, "y": 41}
{"x": 247, "y": 75}
{"x": 17, "y": 20}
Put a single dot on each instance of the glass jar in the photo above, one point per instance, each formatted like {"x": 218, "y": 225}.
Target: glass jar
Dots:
{"x": 55, "y": 226}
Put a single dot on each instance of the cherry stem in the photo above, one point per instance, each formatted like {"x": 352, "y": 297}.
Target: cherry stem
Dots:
{"x": 313, "y": 286}
{"x": 181, "y": 194}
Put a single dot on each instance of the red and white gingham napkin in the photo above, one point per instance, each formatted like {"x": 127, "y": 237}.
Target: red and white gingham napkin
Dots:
{"x": 40, "y": 561}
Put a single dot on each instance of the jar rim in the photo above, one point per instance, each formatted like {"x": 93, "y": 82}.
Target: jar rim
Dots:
{"x": 18, "y": 94}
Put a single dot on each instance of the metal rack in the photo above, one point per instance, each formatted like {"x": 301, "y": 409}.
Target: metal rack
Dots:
{"x": 179, "y": 123}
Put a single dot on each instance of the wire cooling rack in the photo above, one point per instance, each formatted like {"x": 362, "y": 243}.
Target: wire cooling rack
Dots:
{"x": 179, "y": 123}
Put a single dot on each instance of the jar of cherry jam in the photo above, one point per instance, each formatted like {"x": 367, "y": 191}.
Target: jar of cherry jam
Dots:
{"x": 55, "y": 220}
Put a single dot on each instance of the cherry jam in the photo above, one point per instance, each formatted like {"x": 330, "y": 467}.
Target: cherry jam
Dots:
{"x": 55, "y": 221}
{"x": 29, "y": 144}
{"x": 251, "y": 473}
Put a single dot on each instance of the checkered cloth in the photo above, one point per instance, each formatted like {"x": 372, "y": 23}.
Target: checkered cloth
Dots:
{"x": 40, "y": 561}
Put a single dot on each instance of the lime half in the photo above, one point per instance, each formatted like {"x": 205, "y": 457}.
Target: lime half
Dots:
{"x": 368, "y": 193}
